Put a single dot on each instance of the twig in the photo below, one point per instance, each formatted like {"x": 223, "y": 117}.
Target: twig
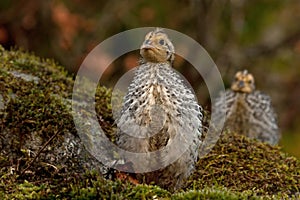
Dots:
{"x": 38, "y": 153}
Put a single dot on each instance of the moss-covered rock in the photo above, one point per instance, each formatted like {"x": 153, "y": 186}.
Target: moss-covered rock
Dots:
{"x": 35, "y": 97}
{"x": 35, "y": 94}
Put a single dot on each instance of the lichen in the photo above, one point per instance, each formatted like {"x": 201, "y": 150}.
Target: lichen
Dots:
{"x": 33, "y": 110}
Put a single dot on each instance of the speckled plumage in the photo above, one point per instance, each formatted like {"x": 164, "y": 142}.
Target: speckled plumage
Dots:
{"x": 159, "y": 106}
{"x": 249, "y": 111}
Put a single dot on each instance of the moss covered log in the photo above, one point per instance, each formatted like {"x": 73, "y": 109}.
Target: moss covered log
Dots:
{"x": 34, "y": 107}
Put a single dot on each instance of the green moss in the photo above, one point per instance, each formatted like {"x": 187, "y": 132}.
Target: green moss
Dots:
{"x": 236, "y": 168}
{"x": 242, "y": 164}
{"x": 215, "y": 193}
{"x": 31, "y": 105}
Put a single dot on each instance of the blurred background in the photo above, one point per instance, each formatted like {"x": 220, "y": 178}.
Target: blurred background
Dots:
{"x": 262, "y": 36}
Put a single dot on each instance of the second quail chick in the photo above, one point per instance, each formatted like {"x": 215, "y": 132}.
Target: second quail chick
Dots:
{"x": 249, "y": 111}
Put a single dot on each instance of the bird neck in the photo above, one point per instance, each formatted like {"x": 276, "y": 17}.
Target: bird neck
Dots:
{"x": 143, "y": 61}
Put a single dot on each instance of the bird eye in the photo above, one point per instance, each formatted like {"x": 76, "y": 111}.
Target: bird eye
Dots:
{"x": 162, "y": 41}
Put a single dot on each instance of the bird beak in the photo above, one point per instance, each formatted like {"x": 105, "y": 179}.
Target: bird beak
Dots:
{"x": 241, "y": 84}
{"x": 147, "y": 46}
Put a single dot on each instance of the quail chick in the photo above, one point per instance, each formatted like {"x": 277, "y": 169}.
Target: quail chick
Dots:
{"x": 158, "y": 108}
{"x": 249, "y": 111}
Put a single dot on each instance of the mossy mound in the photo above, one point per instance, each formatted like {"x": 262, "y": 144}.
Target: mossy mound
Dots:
{"x": 35, "y": 106}
{"x": 242, "y": 164}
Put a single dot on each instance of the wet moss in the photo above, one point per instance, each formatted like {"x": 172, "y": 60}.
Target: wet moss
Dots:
{"x": 35, "y": 94}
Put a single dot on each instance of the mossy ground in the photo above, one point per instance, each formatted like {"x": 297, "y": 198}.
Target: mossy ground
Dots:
{"x": 236, "y": 168}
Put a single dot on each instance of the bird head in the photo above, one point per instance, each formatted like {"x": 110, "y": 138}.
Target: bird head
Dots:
{"x": 157, "y": 47}
{"x": 243, "y": 82}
